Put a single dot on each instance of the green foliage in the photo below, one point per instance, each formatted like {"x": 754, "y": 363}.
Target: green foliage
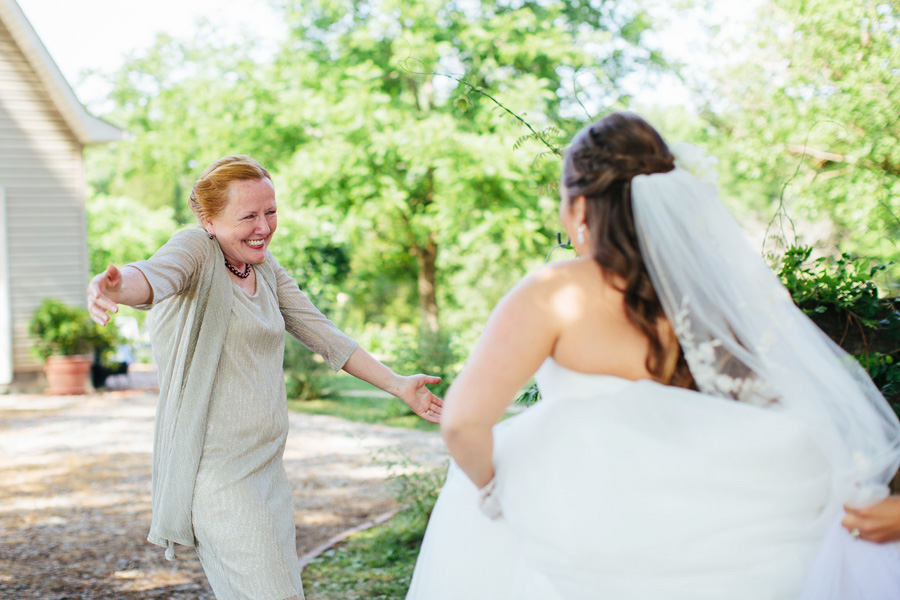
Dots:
{"x": 374, "y": 565}
{"x": 419, "y": 490}
{"x": 304, "y": 373}
{"x": 884, "y": 369}
{"x": 309, "y": 245}
{"x": 122, "y": 230}
{"x": 842, "y": 284}
{"x": 428, "y": 352}
{"x": 411, "y": 148}
{"x": 530, "y": 396}
{"x": 416, "y": 489}
{"x": 65, "y": 330}
{"x": 807, "y": 121}
{"x": 842, "y": 298}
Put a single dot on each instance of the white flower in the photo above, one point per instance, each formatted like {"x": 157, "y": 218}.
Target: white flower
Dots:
{"x": 695, "y": 161}
{"x": 861, "y": 462}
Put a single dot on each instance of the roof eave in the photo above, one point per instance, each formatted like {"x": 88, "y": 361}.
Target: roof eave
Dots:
{"x": 87, "y": 128}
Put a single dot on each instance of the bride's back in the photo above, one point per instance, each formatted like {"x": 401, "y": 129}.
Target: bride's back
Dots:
{"x": 596, "y": 336}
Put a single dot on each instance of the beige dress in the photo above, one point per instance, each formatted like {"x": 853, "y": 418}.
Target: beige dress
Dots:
{"x": 241, "y": 506}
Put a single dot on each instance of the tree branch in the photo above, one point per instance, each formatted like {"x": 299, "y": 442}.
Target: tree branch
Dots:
{"x": 804, "y": 150}
{"x": 554, "y": 149}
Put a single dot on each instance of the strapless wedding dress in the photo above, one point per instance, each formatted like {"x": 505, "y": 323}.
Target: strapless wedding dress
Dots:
{"x": 618, "y": 490}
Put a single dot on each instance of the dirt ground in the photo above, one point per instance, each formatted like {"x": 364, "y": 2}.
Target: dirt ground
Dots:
{"x": 75, "y": 493}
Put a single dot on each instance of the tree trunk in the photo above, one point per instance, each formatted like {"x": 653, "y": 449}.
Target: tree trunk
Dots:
{"x": 426, "y": 257}
{"x": 179, "y": 203}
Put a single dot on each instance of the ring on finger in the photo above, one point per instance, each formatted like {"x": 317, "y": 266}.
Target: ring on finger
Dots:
{"x": 855, "y": 532}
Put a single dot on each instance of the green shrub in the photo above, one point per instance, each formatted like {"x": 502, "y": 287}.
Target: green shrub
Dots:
{"x": 428, "y": 352}
{"x": 304, "y": 373}
{"x": 841, "y": 296}
{"x": 416, "y": 489}
{"x": 845, "y": 284}
{"x": 65, "y": 330}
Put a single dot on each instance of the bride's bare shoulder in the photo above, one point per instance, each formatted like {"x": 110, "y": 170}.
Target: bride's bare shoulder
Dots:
{"x": 563, "y": 288}
{"x": 577, "y": 273}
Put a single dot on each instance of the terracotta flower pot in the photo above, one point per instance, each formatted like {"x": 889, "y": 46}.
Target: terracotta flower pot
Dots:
{"x": 67, "y": 374}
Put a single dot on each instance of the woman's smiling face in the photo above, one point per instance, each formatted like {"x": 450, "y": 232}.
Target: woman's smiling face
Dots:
{"x": 245, "y": 226}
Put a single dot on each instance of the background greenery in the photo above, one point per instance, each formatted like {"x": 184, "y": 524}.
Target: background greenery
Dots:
{"x": 415, "y": 145}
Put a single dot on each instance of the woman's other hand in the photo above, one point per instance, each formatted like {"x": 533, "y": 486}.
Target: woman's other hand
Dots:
{"x": 415, "y": 393}
{"x": 103, "y": 294}
{"x": 879, "y": 523}
{"x": 412, "y": 390}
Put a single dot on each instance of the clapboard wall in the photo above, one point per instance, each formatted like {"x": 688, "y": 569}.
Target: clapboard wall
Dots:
{"x": 42, "y": 187}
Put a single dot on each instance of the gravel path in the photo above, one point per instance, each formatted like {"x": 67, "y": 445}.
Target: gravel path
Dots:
{"x": 75, "y": 493}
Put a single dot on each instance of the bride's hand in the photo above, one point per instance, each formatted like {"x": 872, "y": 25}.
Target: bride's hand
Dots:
{"x": 879, "y": 523}
{"x": 415, "y": 393}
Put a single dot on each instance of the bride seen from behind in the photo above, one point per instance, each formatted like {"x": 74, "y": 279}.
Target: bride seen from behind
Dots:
{"x": 697, "y": 435}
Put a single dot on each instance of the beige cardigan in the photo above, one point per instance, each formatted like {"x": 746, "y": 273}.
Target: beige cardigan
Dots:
{"x": 192, "y": 296}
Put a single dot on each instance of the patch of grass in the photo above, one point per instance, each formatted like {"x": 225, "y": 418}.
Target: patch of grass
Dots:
{"x": 376, "y": 564}
{"x": 349, "y": 398}
{"x": 341, "y": 382}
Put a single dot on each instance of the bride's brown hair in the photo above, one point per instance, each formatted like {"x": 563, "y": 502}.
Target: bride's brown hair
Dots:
{"x": 599, "y": 165}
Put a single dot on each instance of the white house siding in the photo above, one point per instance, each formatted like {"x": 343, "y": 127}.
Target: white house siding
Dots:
{"x": 6, "y": 372}
{"x": 42, "y": 173}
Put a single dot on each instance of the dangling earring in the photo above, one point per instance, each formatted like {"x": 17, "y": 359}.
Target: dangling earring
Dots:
{"x": 580, "y": 235}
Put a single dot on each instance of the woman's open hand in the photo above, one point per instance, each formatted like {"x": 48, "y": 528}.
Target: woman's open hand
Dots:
{"x": 415, "y": 393}
{"x": 103, "y": 294}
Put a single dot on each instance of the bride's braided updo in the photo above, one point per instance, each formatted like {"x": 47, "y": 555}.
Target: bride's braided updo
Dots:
{"x": 599, "y": 165}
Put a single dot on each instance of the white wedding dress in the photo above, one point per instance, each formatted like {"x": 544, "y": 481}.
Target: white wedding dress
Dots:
{"x": 615, "y": 489}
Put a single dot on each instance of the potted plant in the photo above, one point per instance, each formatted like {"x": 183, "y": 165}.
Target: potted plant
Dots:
{"x": 65, "y": 339}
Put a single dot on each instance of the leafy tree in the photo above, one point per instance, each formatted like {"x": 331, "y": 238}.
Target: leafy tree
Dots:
{"x": 414, "y": 145}
{"x": 122, "y": 230}
{"x": 413, "y": 152}
{"x": 186, "y": 104}
{"x": 811, "y": 117}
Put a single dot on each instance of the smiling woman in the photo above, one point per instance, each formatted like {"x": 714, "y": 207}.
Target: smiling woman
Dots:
{"x": 221, "y": 305}
{"x": 235, "y": 202}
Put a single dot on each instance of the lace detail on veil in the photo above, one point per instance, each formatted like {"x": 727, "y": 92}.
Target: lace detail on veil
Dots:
{"x": 706, "y": 358}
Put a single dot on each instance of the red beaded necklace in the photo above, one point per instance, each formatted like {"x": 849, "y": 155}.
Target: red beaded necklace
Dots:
{"x": 243, "y": 275}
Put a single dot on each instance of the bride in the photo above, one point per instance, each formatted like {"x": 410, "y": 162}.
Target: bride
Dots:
{"x": 697, "y": 435}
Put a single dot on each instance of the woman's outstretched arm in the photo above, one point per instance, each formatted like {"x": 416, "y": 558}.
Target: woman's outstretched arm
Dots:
{"x": 169, "y": 271}
{"x": 315, "y": 331}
